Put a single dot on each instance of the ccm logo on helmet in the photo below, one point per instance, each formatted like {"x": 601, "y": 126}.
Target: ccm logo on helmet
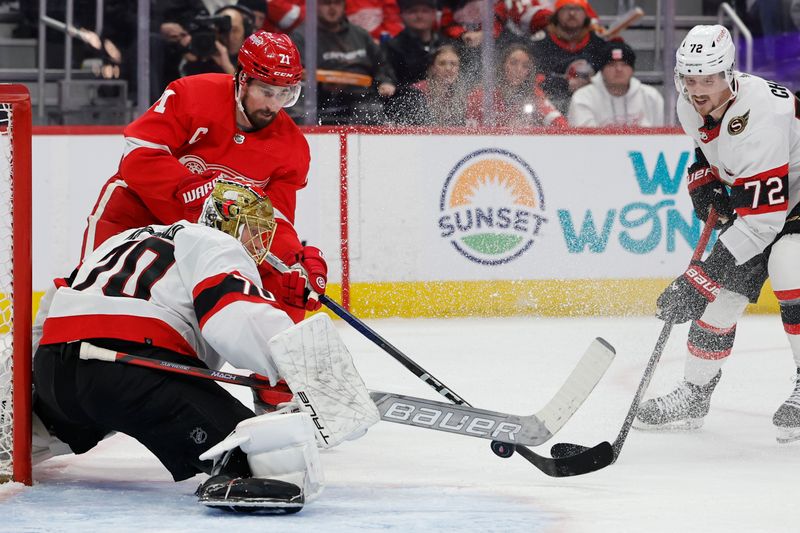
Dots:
{"x": 282, "y": 74}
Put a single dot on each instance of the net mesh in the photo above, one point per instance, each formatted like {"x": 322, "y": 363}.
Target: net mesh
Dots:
{"x": 6, "y": 292}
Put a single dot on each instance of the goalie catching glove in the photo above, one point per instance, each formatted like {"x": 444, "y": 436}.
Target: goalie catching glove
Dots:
{"x": 306, "y": 280}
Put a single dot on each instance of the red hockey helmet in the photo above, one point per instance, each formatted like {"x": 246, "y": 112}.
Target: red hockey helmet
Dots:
{"x": 271, "y": 58}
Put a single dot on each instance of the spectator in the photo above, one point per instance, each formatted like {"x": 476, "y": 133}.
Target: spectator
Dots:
{"x": 438, "y": 100}
{"x": 408, "y": 52}
{"x": 215, "y": 43}
{"x": 352, "y": 73}
{"x": 173, "y": 18}
{"x": 462, "y": 21}
{"x": 381, "y": 18}
{"x": 528, "y": 17}
{"x": 570, "y": 53}
{"x": 518, "y": 99}
{"x": 615, "y": 97}
{"x": 242, "y": 26}
{"x": 276, "y": 16}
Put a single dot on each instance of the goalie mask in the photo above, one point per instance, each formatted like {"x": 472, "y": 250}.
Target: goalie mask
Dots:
{"x": 243, "y": 211}
{"x": 704, "y": 51}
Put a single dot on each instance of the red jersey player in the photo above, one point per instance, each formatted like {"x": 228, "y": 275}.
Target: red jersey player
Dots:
{"x": 210, "y": 126}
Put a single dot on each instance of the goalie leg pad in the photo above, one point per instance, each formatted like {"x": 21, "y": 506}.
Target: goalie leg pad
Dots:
{"x": 279, "y": 447}
{"x": 45, "y": 445}
{"x": 316, "y": 364}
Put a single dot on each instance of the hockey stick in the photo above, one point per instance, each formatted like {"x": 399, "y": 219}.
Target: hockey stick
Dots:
{"x": 622, "y": 22}
{"x": 531, "y": 430}
{"x": 566, "y": 450}
{"x": 382, "y": 343}
{"x": 592, "y": 459}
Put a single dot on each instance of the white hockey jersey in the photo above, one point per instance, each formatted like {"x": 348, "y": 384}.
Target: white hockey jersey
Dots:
{"x": 185, "y": 287}
{"x": 754, "y": 149}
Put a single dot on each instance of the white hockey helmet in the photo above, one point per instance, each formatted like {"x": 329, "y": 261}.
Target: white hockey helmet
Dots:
{"x": 705, "y": 50}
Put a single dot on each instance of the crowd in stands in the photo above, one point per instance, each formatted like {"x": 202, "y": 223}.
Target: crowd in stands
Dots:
{"x": 407, "y": 62}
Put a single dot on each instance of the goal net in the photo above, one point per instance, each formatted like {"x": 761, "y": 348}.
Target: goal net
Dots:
{"x": 15, "y": 283}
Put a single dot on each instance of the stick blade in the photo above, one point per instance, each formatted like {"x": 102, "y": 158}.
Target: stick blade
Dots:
{"x": 589, "y": 460}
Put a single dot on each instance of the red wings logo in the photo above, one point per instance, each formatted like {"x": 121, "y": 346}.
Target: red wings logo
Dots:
{"x": 197, "y": 165}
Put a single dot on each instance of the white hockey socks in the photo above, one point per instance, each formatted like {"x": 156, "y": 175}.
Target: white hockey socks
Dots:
{"x": 711, "y": 337}
{"x": 314, "y": 361}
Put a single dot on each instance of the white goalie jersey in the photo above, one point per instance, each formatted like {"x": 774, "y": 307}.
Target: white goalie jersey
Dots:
{"x": 186, "y": 287}
{"x": 755, "y": 150}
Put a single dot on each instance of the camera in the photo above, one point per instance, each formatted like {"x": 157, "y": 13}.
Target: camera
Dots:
{"x": 204, "y": 31}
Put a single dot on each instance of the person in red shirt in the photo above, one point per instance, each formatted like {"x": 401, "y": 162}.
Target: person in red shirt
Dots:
{"x": 381, "y": 18}
{"x": 214, "y": 126}
{"x": 276, "y": 16}
{"x": 518, "y": 99}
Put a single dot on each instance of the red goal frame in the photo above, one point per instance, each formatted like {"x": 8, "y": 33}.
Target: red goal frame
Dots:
{"x": 19, "y": 98}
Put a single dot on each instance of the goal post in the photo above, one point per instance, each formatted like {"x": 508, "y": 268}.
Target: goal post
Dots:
{"x": 15, "y": 283}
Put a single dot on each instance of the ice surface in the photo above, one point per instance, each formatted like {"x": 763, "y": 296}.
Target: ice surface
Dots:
{"x": 729, "y": 476}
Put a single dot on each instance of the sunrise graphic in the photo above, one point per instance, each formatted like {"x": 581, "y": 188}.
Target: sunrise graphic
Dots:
{"x": 491, "y": 206}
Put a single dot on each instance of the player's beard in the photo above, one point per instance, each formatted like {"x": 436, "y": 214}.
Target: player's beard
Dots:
{"x": 261, "y": 118}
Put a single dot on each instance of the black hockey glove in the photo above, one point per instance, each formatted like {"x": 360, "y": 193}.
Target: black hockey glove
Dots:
{"x": 706, "y": 191}
{"x": 686, "y": 298}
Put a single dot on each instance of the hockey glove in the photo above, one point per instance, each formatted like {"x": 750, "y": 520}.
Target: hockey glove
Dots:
{"x": 193, "y": 191}
{"x": 706, "y": 191}
{"x": 686, "y": 298}
{"x": 310, "y": 269}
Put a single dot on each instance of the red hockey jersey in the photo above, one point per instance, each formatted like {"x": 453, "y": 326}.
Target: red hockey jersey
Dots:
{"x": 192, "y": 128}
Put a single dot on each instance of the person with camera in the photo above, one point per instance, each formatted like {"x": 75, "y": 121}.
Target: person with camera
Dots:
{"x": 215, "y": 41}
{"x": 213, "y": 126}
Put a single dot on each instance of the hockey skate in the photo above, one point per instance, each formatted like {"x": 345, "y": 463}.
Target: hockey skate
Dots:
{"x": 231, "y": 487}
{"x": 682, "y": 409}
{"x": 787, "y": 417}
{"x": 249, "y": 495}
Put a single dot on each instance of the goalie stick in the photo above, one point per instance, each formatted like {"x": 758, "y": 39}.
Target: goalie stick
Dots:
{"x": 469, "y": 421}
{"x": 590, "y": 460}
{"x": 565, "y": 450}
{"x": 531, "y": 430}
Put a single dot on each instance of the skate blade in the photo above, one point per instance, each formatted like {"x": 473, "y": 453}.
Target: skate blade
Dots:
{"x": 266, "y": 505}
{"x": 688, "y": 424}
{"x": 787, "y": 435}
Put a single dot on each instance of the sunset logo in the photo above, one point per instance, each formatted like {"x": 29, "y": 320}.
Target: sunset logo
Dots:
{"x": 491, "y": 207}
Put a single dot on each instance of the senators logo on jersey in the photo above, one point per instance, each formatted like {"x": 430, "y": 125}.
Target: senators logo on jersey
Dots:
{"x": 738, "y": 124}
